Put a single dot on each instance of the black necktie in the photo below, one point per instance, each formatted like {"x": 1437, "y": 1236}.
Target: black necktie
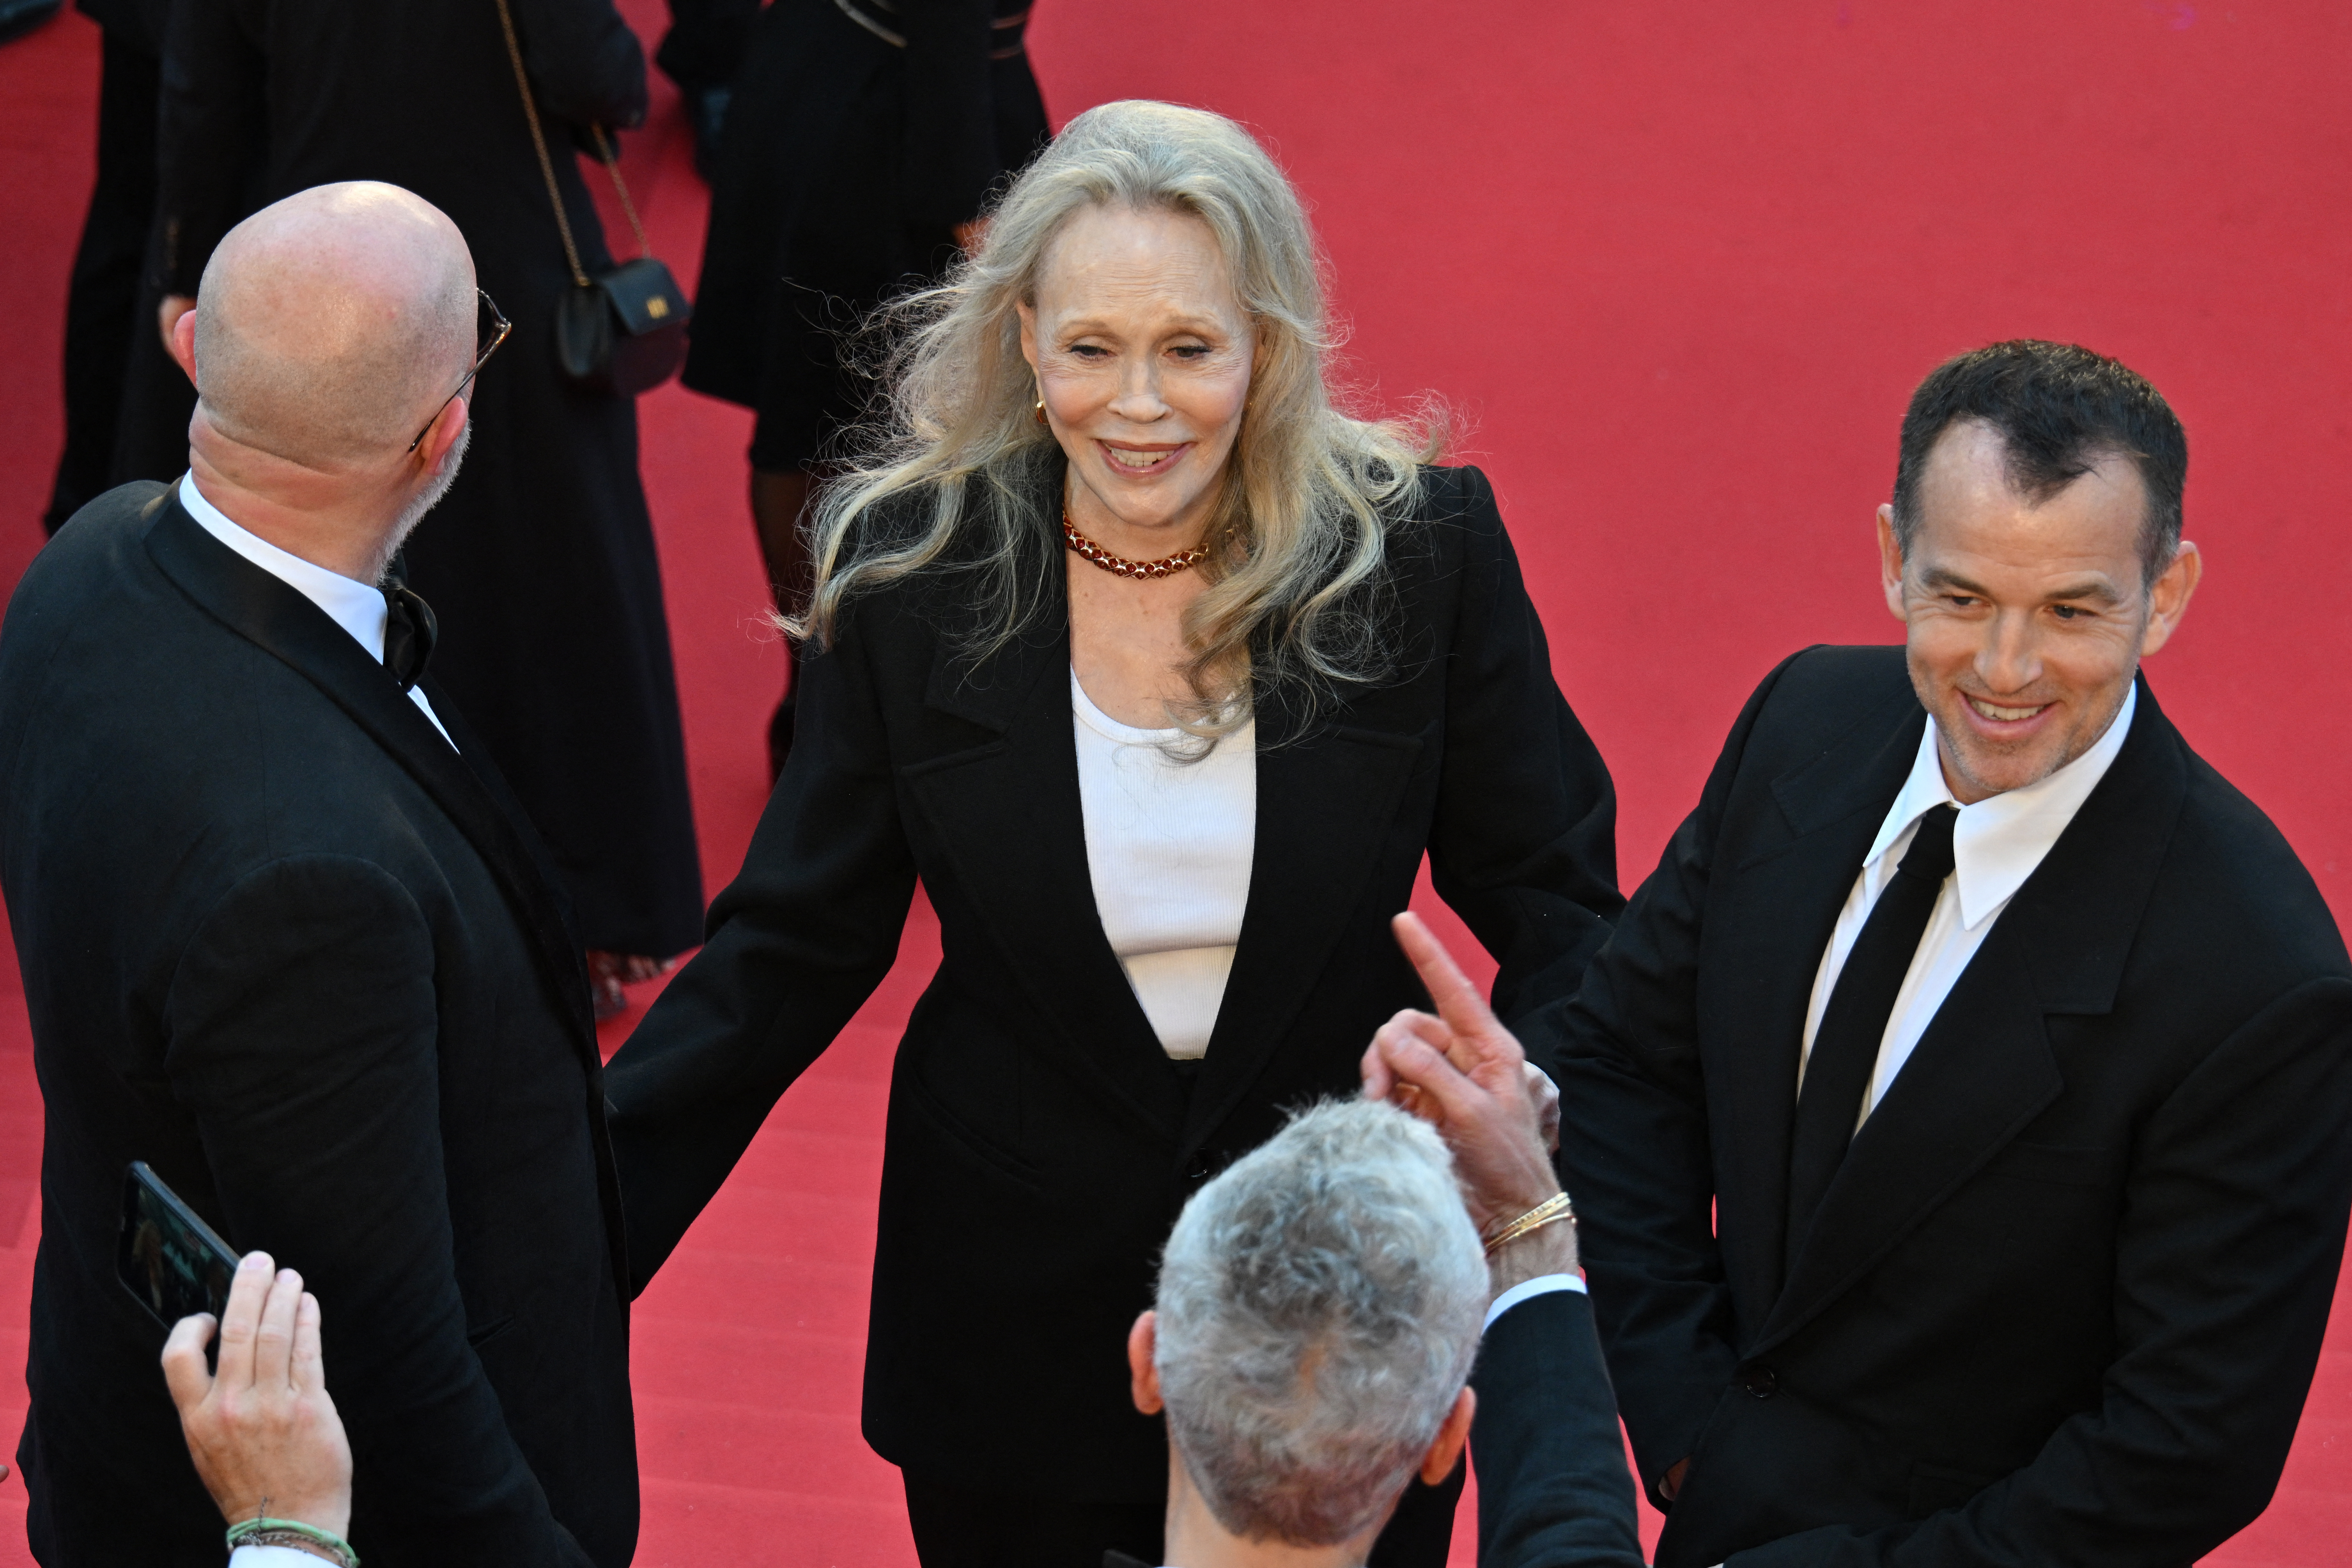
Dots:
{"x": 1846, "y": 1049}
{"x": 408, "y": 626}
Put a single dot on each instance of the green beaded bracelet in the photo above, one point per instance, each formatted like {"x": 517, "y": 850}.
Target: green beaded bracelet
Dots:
{"x": 289, "y": 1532}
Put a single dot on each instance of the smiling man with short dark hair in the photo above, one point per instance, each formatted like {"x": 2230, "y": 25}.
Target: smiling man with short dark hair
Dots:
{"x": 1958, "y": 1118}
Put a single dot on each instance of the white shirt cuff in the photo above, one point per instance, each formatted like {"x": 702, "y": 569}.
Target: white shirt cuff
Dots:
{"x": 1541, "y": 1285}
{"x": 272, "y": 1557}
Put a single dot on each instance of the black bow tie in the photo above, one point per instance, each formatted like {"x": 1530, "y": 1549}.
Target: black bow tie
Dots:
{"x": 408, "y": 626}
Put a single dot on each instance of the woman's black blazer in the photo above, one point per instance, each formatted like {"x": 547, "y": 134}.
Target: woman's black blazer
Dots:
{"x": 1039, "y": 1142}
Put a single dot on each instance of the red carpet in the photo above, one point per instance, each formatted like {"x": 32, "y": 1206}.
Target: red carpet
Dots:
{"x": 1675, "y": 265}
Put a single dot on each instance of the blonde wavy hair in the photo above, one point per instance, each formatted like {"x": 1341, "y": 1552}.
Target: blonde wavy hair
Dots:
{"x": 1307, "y": 498}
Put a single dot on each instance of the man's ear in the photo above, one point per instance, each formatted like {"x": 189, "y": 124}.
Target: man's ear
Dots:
{"x": 1142, "y": 1342}
{"x": 441, "y": 439}
{"x": 2168, "y": 596}
{"x": 1446, "y": 1452}
{"x": 183, "y": 345}
{"x": 1890, "y": 564}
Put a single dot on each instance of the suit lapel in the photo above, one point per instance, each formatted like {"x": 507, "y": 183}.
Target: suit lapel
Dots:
{"x": 1785, "y": 906}
{"x": 273, "y": 616}
{"x": 1327, "y": 794}
{"x": 1984, "y": 1069}
{"x": 1008, "y": 814}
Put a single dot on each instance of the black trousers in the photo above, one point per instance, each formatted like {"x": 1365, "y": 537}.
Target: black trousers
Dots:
{"x": 954, "y": 1528}
{"x": 104, "y": 296}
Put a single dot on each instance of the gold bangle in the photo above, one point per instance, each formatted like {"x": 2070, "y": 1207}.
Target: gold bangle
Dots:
{"x": 1551, "y": 1211}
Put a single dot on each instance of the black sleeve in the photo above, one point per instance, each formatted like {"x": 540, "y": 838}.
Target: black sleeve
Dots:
{"x": 1633, "y": 1140}
{"x": 1552, "y": 1487}
{"x": 951, "y": 159}
{"x": 2226, "y": 1266}
{"x": 585, "y": 66}
{"x": 1523, "y": 844}
{"x": 797, "y": 942}
{"x": 303, "y": 1037}
{"x": 211, "y": 133}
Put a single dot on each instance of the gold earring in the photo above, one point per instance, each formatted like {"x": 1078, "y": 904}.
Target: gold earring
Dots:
{"x": 1039, "y": 412}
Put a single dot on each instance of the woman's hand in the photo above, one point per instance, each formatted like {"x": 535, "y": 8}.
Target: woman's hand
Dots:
{"x": 262, "y": 1431}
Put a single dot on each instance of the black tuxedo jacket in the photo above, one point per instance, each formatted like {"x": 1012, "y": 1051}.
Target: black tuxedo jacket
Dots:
{"x": 284, "y": 944}
{"x": 2063, "y": 1300}
{"x": 1552, "y": 1487}
{"x": 1040, "y": 1142}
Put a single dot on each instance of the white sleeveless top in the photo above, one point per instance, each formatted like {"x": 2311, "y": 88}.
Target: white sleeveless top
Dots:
{"x": 1167, "y": 847}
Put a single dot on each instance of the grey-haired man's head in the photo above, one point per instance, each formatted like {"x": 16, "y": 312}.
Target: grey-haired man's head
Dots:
{"x": 1318, "y": 1309}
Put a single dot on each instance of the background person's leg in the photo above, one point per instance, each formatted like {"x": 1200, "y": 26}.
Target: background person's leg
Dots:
{"x": 102, "y": 301}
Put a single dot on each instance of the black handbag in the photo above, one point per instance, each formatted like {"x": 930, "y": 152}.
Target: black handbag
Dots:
{"x": 624, "y": 331}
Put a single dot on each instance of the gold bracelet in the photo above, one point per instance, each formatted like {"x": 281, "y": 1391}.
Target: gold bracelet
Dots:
{"x": 1551, "y": 1211}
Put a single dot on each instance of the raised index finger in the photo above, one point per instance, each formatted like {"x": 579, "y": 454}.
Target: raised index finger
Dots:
{"x": 1458, "y": 1002}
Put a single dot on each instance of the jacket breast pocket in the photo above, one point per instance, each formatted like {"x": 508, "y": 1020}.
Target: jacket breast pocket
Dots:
{"x": 947, "y": 1124}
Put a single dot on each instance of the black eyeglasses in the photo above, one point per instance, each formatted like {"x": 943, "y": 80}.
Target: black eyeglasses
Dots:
{"x": 490, "y": 329}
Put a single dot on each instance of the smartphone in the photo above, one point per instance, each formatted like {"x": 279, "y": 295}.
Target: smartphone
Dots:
{"x": 173, "y": 1262}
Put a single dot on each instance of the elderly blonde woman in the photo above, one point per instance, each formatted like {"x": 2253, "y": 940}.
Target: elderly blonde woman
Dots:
{"x": 1162, "y": 675}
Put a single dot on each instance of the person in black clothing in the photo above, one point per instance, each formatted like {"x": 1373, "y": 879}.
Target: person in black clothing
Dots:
{"x": 1552, "y": 1487}
{"x": 1163, "y": 677}
{"x": 1318, "y": 1310}
{"x": 105, "y": 321}
{"x": 286, "y": 938}
{"x": 541, "y": 564}
{"x": 862, "y": 140}
{"x": 702, "y": 53}
{"x": 2060, "y": 1298}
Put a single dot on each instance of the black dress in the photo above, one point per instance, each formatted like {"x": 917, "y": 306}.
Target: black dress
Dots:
{"x": 539, "y": 563}
{"x": 102, "y": 313}
{"x": 1040, "y": 1141}
{"x": 848, "y": 161}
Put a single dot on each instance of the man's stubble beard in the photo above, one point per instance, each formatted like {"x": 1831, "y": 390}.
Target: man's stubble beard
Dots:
{"x": 425, "y": 500}
{"x": 1958, "y": 756}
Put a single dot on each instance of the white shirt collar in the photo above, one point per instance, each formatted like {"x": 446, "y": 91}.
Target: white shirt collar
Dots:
{"x": 1998, "y": 841}
{"x": 353, "y": 606}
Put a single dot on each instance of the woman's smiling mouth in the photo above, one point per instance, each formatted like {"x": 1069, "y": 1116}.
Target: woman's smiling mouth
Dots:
{"x": 1137, "y": 459}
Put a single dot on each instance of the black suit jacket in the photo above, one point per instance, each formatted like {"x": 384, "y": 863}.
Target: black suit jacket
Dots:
{"x": 284, "y": 944}
{"x": 1040, "y": 1142}
{"x": 1552, "y": 1487}
{"x": 2063, "y": 1300}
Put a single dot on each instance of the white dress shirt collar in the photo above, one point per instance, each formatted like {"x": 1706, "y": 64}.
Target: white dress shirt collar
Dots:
{"x": 353, "y": 606}
{"x": 1997, "y": 842}
{"x": 356, "y": 606}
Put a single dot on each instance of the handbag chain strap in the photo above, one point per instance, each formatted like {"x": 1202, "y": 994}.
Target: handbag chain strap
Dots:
{"x": 613, "y": 167}
{"x": 547, "y": 165}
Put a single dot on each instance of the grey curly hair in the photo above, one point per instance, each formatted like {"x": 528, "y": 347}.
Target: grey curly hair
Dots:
{"x": 1319, "y": 1306}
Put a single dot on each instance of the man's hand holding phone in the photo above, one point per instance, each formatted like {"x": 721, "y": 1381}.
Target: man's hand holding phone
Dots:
{"x": 264, "y": 1434}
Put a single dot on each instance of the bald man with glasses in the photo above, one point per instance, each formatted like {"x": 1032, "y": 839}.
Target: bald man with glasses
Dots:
{"x": 286, "y": 938}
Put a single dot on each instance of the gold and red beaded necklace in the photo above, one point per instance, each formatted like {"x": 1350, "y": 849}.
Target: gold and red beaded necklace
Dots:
{"x": 1120, "y": 566}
